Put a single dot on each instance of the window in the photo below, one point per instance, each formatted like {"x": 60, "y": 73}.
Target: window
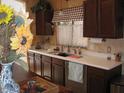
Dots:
{"x": 19, "y": 6}
{"x": 64, "y": 33}
{"x": 78, "y": 39}
{"x": 71, "y": 34}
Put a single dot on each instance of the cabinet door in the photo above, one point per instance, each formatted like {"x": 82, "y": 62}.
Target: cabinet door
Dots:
{"x": 40, "y": 23}
{"x": 95, "y": 84}
{"x": 96, "y": 80}
{"x": 46, "y": 67}
{"x": 58, "y": 71}
{"x": 58, "y": 74}
{"x": 90, "y": 18}
{"x": 109, "y": 17}
{"x": 38, "y": 63}
{"x": 31, "y": 62}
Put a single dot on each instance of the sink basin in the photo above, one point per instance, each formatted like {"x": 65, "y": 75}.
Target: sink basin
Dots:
{"x": 63, "y": 54}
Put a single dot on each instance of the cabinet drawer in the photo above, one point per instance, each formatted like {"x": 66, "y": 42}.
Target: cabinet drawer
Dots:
{"x": 96, "y": 71}
{"x": 38, "y": 57}
{"x": 58, "y": 61}
{"x": 46, "y": 58}
{"x": 31, "y": 54}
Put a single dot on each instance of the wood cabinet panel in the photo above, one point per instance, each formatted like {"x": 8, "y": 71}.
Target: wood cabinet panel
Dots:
{"x": 58, "y": 71}
{"x": 31, "y": 62}
{"x": 46, "y": 58}
{"x": 98, "y": 80}
{"x": 58, "y": 76}
{"x": 58, "y": 62}
{"x": 90, "y": 18}
{"x": 40, "y": 23}
{"x": 43, "y": 25}
{"x": 38, "y": 64}
{"x": 46, "y": 67}
{"x": 103, "y": 19}
{"x": 94, "y": 86}
{"x": 107, "y": 18}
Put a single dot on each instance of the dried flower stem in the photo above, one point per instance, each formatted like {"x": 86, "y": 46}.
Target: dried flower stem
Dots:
{"x": 6, "y": 46}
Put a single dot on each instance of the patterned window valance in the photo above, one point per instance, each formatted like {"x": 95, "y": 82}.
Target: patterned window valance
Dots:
{"x": 69, "y": 14}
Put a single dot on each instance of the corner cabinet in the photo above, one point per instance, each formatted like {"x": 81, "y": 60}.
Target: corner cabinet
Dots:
{"x": 98, "y": 80}
{"x": 103, "y": 19}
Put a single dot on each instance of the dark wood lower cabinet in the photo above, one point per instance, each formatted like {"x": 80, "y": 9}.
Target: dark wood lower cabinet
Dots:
{"x": 58, "y": 71}
{"x": 47, "y": 67}
{"x": 95, "y": 80}
{"x": 98, "y": 80}
{"x": 38, "y": 64}
{"x": 31, "y": 61}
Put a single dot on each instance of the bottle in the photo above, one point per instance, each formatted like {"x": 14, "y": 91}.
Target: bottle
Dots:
{"x": 118, "y": 57}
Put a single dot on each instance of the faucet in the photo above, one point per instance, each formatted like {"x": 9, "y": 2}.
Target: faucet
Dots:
{"x": 62, "y": 48}
{"x": 79, "y": 51}
{"x": 68, "y": 49}
{"x": 75, "y": 51}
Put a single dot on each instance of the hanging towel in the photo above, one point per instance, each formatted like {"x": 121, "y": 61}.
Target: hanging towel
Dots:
{"x": 75, "y": 72}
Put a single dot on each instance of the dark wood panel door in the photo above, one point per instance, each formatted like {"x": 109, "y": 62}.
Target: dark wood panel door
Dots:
{"x": 46, "y": 70}
{"x": 58, "y": 76}
{"x": 90, "y": 18}
{"x": 103, "y": 19}
{"x": 95, "y": 84}
{"x": 58, "y": 71}
{"x": 43, "y": 22}
{"x": 110, "y": 19}
{"x": 31, "y": 62}
{"x": 98, "y": 80}
{"x": 40, "y": 23}
{"x": 38, "y": 64}
{"x": 107, "y": 27}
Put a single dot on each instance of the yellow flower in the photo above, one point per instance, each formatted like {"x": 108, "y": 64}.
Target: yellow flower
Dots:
{"x": 22, "y": 40}
{"x": 6, "y": 14}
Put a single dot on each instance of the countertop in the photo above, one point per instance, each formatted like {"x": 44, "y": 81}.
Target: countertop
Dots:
{"x": 97, "y": 62}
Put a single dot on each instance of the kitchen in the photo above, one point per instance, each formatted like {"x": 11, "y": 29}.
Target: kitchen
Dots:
{"x": 84, "y": 71}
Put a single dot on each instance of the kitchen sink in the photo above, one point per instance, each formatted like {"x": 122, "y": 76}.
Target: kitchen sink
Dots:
{"x": 63, "y": 54}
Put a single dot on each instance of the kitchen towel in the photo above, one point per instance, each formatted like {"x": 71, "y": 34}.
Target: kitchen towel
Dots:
{"x": 75, "y": 72}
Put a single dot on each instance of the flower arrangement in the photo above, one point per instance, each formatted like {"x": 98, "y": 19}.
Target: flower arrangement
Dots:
{"x": 15, "y": 35}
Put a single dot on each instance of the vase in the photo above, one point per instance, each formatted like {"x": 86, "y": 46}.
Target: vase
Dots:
{"x": 7, "y": 83}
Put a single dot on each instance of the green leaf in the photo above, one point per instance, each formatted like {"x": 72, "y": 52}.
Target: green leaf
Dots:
{"x": 13, "y": 56}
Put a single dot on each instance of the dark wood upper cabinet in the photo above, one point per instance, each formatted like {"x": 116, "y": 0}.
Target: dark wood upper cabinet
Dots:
{"x": 44, "y": 14}
{"x": 103, "y": 19}
{"x": 43, "y": 24}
